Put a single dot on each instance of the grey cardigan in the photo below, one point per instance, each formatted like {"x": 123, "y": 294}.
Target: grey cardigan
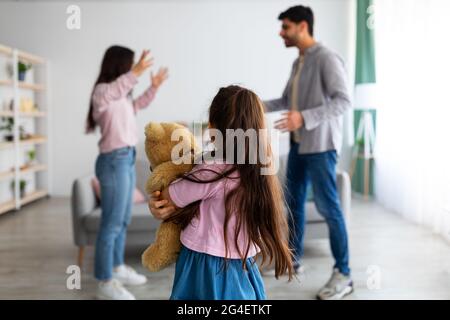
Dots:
{"x": 323, "y": 98}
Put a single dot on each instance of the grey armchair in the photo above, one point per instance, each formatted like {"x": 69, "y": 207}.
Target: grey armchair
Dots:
{"x": 141, "y": 231}
{"x": 86, "y": 214}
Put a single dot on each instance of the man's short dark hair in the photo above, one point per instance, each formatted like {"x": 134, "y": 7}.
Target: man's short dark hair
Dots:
{"x": 298, "y": 14}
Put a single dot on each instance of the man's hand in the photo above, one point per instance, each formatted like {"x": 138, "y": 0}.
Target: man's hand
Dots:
{"x": 161, "y": 209}
{"x": 291, "y": 121}
{"x": 145, "y": 62}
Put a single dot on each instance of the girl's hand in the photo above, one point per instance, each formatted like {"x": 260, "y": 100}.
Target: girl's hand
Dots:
{"x": 145, "y": 62}
{"x": 161, "y": 209}
{"x": 159, "y": 78}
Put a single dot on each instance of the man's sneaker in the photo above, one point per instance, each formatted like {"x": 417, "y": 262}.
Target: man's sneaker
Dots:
{"x": 113, "y": 290}
{"x": 337, "y": 287}
{"x": 128, "y": 276}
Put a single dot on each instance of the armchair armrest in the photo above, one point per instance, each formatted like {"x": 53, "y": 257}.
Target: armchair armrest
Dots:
{"x": 142, "y": 174}
{"x": 83, "y": 202}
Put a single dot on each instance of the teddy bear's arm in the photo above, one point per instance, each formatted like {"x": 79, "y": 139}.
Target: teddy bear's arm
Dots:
{"x": 164, "y": 174}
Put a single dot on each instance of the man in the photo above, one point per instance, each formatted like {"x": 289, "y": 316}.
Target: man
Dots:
{"x": 316, "y": 96}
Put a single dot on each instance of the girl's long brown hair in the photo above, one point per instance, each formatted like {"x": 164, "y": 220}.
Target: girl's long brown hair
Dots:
{"x": 258, "y": 200}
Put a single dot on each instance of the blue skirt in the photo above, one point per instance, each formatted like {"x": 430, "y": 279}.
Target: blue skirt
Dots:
{"x": 200, "y": 276}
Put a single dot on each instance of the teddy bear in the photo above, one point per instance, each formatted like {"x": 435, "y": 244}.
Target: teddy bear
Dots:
{"x": 159, "y": 147}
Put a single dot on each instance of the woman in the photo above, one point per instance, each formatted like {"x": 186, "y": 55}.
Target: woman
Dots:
{"x": 113, "y": 110}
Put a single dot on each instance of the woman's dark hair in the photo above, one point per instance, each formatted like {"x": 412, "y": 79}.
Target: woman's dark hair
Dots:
{"x": 116, "y": 61}
{"x": 298, "y": 14}
{"x": 258, "y": 200}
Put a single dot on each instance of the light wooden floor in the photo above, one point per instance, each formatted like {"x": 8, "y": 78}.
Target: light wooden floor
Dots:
{"x": 36, "y": 248}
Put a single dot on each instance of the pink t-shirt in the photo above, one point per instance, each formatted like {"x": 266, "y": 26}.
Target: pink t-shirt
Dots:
{"x": 205, "y": 232}
{"x": 115, "y": 112}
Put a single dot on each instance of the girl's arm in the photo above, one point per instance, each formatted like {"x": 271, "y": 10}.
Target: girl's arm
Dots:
{"x": 144, "y": 100}
{"x": 183, "y": 192}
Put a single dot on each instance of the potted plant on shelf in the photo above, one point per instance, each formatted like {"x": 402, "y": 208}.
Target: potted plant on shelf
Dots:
{"x": 22, "y": 187}
{"x": 23, "y": 134}
{"x": 31, "y": 157}
{"x": 22, "y": 69}
{"x": 8, "y": 126}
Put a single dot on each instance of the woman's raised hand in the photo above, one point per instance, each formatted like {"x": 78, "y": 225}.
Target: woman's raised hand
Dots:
{"x": 160, "y": 77}
{"x": 145, "y": 62}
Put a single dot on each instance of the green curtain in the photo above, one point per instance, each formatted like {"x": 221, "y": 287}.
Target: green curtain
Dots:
{"x": 364, "y": 74}
{"x": 365, "y": 43}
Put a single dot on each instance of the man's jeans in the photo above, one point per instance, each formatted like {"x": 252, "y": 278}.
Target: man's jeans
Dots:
{"x": 320, "y": 169}
{"x": 116, "y": 172}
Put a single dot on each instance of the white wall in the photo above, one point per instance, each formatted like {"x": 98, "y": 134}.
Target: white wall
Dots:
{"x": 206, "y": 44}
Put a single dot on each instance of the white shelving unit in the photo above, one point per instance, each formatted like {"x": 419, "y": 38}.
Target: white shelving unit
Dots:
{"x": 15, "y": 164}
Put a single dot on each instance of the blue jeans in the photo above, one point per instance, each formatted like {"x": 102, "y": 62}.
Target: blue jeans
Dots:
{"x": 320, "y": 169}
{"x": 116, "y": 172}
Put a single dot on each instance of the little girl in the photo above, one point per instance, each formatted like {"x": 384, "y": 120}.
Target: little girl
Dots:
{"x": 240, "y": 212}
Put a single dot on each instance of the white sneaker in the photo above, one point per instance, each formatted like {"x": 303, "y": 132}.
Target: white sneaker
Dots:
{"x": 337, "y": 287}
{"x": 299, "y": 272}
{"x": 113, "y": 290}
{"x": 128, "y": 276}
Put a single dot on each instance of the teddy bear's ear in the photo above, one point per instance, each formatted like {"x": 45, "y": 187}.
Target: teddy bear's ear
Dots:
{"x": 154, "y": 130}
{"x": 171, "y": 126}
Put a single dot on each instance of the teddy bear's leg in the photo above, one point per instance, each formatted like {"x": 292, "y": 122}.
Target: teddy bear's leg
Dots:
{"x": 164, "y": 251}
